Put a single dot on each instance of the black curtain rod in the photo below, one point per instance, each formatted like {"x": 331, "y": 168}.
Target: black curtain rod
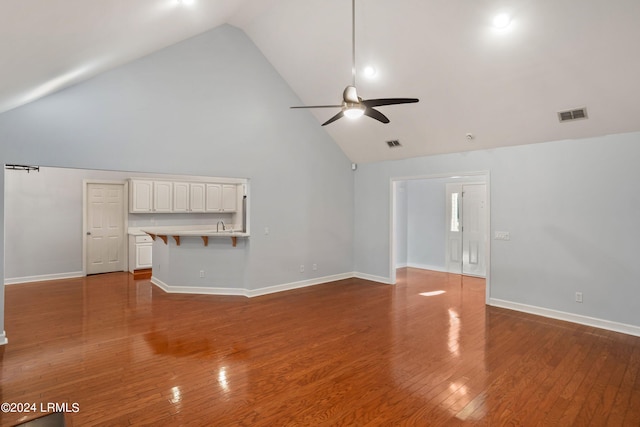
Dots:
{"x": 23, "y": 168}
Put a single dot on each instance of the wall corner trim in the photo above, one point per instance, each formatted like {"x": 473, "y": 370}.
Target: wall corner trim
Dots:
{"x": 568, "y": 317}
{"x": 372, "y": 278}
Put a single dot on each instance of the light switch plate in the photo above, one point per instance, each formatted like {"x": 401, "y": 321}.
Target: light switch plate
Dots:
{"x": 502, "y": 235}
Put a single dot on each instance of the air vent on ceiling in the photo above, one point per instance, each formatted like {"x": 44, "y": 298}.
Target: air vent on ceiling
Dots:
{"x": 569, "y": 115}
{"x": 394, "y": 143}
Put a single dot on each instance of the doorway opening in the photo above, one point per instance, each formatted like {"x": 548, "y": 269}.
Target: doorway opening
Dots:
{"x": 424, "y": 212}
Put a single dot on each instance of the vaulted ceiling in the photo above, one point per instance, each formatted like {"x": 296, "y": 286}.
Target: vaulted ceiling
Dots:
{"x": 503, "y": 86}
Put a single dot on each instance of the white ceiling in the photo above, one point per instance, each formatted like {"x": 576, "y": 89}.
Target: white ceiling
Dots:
{"x": 503, "y": 86}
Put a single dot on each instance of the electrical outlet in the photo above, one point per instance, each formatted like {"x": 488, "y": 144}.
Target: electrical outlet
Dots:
{"x": 302, "y": 268}
{"x": 201, "y": 273}
{"x": 579, "y": 297}
{"x": 314, "y": 267}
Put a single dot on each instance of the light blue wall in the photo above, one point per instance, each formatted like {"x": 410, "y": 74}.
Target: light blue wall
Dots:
{"x": 401, "y": 224}
{"x": 210, "y": 106}
{"x": 570, "y": 207}
{"x": 426, "y": 224}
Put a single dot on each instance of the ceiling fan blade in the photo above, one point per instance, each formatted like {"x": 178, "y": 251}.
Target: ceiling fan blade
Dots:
{"x": 334, "y": 118}
{"x": 388, "y": 101}
{"x": 318, "y": 106}
{"x": 375, "y": 114}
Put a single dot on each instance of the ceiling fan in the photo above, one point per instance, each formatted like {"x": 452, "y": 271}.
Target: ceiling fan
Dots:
{"x": 352, "y": 105}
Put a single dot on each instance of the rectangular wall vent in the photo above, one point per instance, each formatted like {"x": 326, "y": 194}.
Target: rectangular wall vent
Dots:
{"x": 569, "y": 115}
{"x": 393, "y": 143}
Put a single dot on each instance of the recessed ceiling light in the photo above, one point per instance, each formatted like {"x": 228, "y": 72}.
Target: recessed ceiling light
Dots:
{"x": 186, "y": 2}
{"x": 501, "y": 21}
{"x": 370, "y": 71}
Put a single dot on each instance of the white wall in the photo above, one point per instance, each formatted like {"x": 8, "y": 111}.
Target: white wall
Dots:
{"x": 209, "y": 106}
{"x": 569, "y": 206}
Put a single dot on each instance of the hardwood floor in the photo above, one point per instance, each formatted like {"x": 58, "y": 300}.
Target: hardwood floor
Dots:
{"x": 344, "y": 353}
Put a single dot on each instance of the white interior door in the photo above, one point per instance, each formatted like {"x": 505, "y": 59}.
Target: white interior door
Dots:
{"x": 105, "y": 228}
{"x": 466, "y": 223}
{"x": 474, "y": 220}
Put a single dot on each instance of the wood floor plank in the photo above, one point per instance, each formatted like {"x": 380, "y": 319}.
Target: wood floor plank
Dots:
{"x": 427, "y": 351}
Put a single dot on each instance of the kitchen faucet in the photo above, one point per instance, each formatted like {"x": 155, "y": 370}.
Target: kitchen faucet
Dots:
{"x": 218, "y": 225}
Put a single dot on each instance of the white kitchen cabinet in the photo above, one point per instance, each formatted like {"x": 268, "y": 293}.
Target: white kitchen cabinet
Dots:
{"x": 181, "y": 199}
{"x": 140, "y": 196}
{"x": 229, "y": 198}
{"x": 140, "y": 250}
{"x": 222, "y": 198}
{"x": 197, "y": 197}
{"x": 165, "y": 196}
{"x": 162, "y": 196}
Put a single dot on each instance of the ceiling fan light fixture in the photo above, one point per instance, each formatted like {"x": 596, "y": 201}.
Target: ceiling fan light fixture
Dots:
{"x": 354, "y": 111}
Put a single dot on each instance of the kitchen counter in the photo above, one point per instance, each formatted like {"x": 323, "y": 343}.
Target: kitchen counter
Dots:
{"x": 203, "y": 231}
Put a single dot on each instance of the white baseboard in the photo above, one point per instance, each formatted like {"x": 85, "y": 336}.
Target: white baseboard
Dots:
{"x": 371, "y": 277}
{"x": 3, "y": 338}
{"x": 247, "y": 292}
{"x": 569, "y": 317}
{"x": 297, "y": 285}
{"x": 402, "y": 265}
{"x": 43, "y": 277}
{"x": 197, "y": 289}
{"x": 427, "y": 267}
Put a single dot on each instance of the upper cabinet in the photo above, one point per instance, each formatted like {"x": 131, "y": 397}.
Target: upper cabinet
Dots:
{"x": 222, "y": 198}
{"x": 197, "y": 197}
{"x": 161, "y": 196}
{"x": 140, "y": 196}
{"x": 229, "y": 198}
{"x": 181, "y": 197}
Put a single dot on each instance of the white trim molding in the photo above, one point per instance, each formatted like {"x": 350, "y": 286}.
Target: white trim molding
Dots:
{"x": 43, "y": 277}
{"x": 197, "y": 289}
{"x": 296, "y": 285}
{"x": 3, "y": 338}
{"x": 568, "y": 317}
{"x": 427, "y": 267}
{"x": 248, "y": 292}
{"x": 372, "y": 278}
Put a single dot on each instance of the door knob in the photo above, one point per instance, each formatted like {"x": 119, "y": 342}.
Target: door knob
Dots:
{"x": 88, "y": 233}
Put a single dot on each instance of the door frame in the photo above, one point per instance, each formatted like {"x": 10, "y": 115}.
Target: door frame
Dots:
{"x": 392, "y": 238}
{"x": 125, "y": 216}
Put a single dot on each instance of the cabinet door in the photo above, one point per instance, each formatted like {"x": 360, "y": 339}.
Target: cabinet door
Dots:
{"x": 143, "y": 255}
{"x": 180, "y": 197}
{"x": 214, "y": 198}
{"x": 197, "y": 197}
{"x": 140, "y": 196}
{"x": 162, "y": 196}
{"x": 229, "y": 198}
